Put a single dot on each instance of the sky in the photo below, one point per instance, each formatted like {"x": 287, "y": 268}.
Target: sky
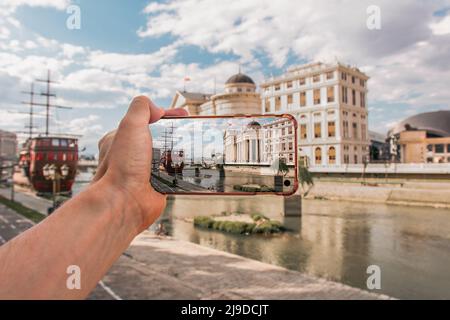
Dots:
{"x": 127, "y": 48}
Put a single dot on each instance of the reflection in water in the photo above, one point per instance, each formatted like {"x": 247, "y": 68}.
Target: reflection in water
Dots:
{"x": 339, "y": 240}
{"x": 336, "y": 240}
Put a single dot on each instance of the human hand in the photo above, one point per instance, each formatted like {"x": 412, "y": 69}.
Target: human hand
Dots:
{"x": 125, "y": 159}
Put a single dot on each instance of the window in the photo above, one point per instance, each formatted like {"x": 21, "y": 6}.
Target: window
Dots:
{"x": 316, "y": 78}
{"x": 448, "y": 148}
{"x": 330, "y": 75}
{"x": 331, "y": 129}
{"x": 239, "y": 89}
{"x": 356, "y": 158}
{"x": 55, "y": 142}
{"x": 289, "y": 85}
{"x": 346, "y": 129}
{"x": 64, "y": 143}
{"x": 346, "y": 159}
{"x": 362, "y": 83}
{"x": 353, "y": 79}
{"x": 277, "y": 103}
{"x": 290, "y": 130}
{"x": 317, "y": 130}
{"x": 290, "y": 99}
{"x": 291, "y": 146}
{"x": 277, "y": 87}
{"x": 302, "y": 81}
{"x": 330, "y": 94}
{"x": 354, "y": 97}
{"x": 362, "y": 97}
{"x": 267, "y": 105}
{"x": 332, "y": 155}
{"x": 344, "y": 95}
{"x": 439, "y": 148}
{"x": 317, "y": 96}
{"x": 302, "y": 99}
{"x": 303, "y": 131}
{"x": 430, "y": 148}
{"x": 344, "y": 76}
{"x": 355, "y": 131}
{"x": 318, "y": 155}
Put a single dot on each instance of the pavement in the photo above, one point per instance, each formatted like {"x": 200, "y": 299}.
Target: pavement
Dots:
{"x": 27, "y": 199}
{"x": 165, "y": 268}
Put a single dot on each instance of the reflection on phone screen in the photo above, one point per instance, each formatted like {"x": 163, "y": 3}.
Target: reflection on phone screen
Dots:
{"x": 239, "y": 155}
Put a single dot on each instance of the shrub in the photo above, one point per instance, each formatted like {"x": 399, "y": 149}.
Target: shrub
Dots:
{"x": 256, "y": 217}
{"x": 238, "y": 227}
{"x": 203, "y": 222}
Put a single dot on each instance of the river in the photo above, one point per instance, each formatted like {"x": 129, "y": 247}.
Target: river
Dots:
{"x": 338, "y": 240}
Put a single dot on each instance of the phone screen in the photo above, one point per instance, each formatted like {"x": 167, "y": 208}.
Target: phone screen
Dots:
{"x": 244, "y": 155}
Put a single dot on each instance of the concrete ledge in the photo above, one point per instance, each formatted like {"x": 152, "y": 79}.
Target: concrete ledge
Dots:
{"x": 156, "y": 268}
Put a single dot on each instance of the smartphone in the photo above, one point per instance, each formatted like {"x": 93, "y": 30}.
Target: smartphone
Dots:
{"x": 225, "y": 155}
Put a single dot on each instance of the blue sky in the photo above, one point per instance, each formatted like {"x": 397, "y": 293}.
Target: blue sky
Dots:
{"x": 125, "y": 48}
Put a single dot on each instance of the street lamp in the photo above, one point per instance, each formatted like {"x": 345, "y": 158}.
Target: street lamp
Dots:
{"x": 51, "y": 172}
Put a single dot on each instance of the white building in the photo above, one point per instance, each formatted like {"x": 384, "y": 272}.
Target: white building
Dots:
{"x": 258, "y": 144}
{"x": 329, "y": 103}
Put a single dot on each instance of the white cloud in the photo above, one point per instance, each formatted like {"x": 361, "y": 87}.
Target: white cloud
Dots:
{"x": 407, "y": 60}
{"x": 131, "y": 63}
{"x": 441, "y": 27}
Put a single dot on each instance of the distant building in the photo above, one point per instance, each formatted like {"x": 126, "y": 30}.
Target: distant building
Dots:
{"x": 239, "y": 97}
{"x": 422, "y": 138}
{"x": 379, "y": 148}
{"x": 8, "y": 146}
{"x": 330, "y": 104}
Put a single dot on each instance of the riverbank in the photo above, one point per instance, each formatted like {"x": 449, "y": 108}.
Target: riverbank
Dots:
{"x": 398, "y": 192}
{"x": 165, "y": 268}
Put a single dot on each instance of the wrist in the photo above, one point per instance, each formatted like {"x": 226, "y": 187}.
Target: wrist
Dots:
{"x": 119, "y": 205}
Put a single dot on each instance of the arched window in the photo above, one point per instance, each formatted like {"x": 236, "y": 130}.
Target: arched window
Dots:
{"x": 318, "y": 155}
{"x": 332, "y": 155}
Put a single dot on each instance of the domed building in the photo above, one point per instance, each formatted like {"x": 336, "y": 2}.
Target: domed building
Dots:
{"x": 239, "y": 97}
{"x": 423, "y": 138}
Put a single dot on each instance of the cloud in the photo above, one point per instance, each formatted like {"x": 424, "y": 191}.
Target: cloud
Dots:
{"x": 408, "y": 60}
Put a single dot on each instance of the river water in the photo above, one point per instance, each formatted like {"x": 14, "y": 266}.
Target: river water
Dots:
{"x": 337, "y": 240}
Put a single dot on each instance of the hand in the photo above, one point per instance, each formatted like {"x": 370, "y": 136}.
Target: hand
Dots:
{"x": 125, "y": 159}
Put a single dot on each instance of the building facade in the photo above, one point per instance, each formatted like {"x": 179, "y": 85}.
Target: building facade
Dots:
{"x": 239, "y": 97}
{"x": 422, "y": 138}
{"x": 329, "y": 102}
{"x": 8, "y": 145}
{"x": 258, "y": 144}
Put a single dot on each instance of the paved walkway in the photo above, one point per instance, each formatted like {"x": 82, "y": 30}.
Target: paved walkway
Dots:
{"x": 27, "y": 199}
{"x": 163, "y": 268}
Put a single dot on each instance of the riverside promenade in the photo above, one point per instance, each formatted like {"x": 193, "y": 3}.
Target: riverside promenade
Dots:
{"x": 434, "y": 194}
{"x": 166, "y": 268}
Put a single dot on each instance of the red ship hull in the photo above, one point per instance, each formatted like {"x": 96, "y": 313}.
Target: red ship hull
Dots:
{"x": 42, "y": 151}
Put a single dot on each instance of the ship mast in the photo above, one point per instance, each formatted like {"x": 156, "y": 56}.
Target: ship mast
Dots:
{"x": 48, "y": 94}
{"x": 31, "y": 113}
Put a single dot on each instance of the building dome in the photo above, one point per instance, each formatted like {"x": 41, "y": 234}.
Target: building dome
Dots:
{"x": 254, "y": 125}
{"x": 436, "y": 124}
{"x": 240, "y": 78}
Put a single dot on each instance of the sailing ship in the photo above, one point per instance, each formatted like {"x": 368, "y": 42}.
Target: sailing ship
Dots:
{"x": 59, "y": 151}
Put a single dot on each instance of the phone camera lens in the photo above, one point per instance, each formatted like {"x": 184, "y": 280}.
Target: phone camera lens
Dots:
{"x": 287, "y": 183}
